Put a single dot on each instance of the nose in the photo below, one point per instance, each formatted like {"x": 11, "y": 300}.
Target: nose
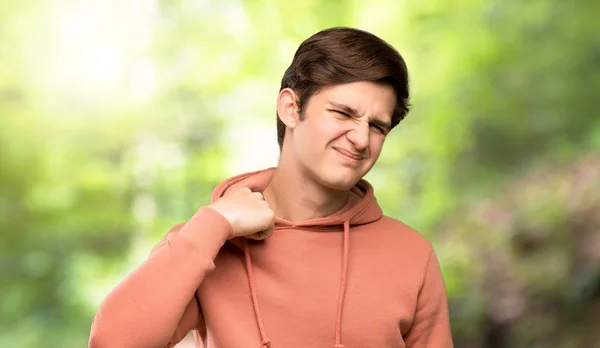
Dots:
{"x": 359, "y": 136}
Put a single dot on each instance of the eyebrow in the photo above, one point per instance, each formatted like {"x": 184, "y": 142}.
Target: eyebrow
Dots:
{"x": 353, "y": 112}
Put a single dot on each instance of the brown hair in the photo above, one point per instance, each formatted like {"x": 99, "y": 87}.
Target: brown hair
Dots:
{"x": 342, "y": 55}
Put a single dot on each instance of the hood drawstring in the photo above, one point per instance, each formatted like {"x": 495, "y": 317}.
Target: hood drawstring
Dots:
{"x": 265, "y": 341}
{"x": 344, "y": 282}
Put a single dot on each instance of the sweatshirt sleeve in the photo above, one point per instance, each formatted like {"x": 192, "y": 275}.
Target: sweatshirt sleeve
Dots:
{"x": 155, "y": 306}
{"x": 431, "y": 325}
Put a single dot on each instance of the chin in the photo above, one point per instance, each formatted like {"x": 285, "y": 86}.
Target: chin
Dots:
{"x": 341, "y": 180}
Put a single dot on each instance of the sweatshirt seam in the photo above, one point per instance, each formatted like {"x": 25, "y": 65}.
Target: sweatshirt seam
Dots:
{"x": 187, "y": 242}
{"x": 426, "y": 266}
{"x": 422, "y": 283}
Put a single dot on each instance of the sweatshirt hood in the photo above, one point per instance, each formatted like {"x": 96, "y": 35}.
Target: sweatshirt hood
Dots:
{"x": 363, "y": 210}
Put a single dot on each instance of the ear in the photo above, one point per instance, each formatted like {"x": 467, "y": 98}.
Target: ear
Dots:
{"x": 287, "y": 108}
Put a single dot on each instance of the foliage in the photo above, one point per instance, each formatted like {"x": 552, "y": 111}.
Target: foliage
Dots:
{"x": 118, "y": 119}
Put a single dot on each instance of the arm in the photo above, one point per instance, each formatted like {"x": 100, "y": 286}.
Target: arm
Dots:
{"x": 431, "y": 325}
{"x": 155, "y": 306}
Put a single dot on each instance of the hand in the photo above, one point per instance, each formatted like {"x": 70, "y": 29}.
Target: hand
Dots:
{"x": 248, "y": 213}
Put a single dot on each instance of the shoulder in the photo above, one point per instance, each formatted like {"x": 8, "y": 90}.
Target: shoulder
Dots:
{"x": 402, "y": 237}
{"x": 399, "y": 250}
{"x": 176, "y": 227}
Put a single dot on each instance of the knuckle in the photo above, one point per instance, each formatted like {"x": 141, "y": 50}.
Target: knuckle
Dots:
{"x": 254, "y": 236}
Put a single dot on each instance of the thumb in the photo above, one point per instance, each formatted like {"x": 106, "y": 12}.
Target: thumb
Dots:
{"x": 262, "y": 234}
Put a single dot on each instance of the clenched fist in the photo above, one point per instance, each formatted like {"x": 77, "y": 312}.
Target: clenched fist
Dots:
{"x": 248, "y": 213}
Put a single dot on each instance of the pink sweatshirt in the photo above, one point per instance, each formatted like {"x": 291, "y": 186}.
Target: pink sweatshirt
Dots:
{"x": 354, "y": 279}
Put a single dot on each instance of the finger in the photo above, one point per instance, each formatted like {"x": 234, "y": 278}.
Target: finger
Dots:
{"x": 230, "y": 193}
{"x": 260, "y": 235}
{"x": 268, "y": 232}
{"x": 239, "y": 191}
{"x": 254, "y": 236}
{"x": 243, "y": 191}
{"x": 271, "y": 224}
{"x": 258, "y": 194}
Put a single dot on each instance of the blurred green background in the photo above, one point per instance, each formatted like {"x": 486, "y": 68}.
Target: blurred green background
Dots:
{"x": 117, "y": 118}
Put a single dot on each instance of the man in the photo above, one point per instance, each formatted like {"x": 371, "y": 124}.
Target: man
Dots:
{"x": 299, "y": 255}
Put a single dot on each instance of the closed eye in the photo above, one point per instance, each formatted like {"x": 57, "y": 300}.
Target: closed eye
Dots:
{"x": 376, "y": 126}
{"x": 341, "y": 113}
{"x": 379, "y": 129}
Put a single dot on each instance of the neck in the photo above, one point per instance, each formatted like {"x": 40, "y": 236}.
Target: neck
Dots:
{"x": 295, "y": 198}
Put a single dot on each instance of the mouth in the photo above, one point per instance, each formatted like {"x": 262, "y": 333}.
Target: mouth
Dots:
{"x": 349, "y": 156}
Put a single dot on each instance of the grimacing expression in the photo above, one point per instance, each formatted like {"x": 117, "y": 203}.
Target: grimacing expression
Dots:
{"x": 342, "y": 132}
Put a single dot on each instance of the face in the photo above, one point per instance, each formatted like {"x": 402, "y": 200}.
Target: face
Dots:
{"x": 342, "y": 132}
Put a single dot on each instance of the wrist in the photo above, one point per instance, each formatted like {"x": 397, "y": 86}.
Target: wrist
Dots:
{"x": 207, "y": 231}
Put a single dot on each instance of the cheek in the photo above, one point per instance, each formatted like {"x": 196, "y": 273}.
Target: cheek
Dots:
{"x": 327, "y": 131}
{"x": 376, "y": 146}
{"x": 329, "y": 125}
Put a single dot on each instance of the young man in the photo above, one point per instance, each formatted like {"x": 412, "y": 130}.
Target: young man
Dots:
{"x": 298, "y": 256}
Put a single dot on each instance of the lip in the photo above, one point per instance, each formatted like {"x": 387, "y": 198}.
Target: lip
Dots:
{"x": 349, "y": 156}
